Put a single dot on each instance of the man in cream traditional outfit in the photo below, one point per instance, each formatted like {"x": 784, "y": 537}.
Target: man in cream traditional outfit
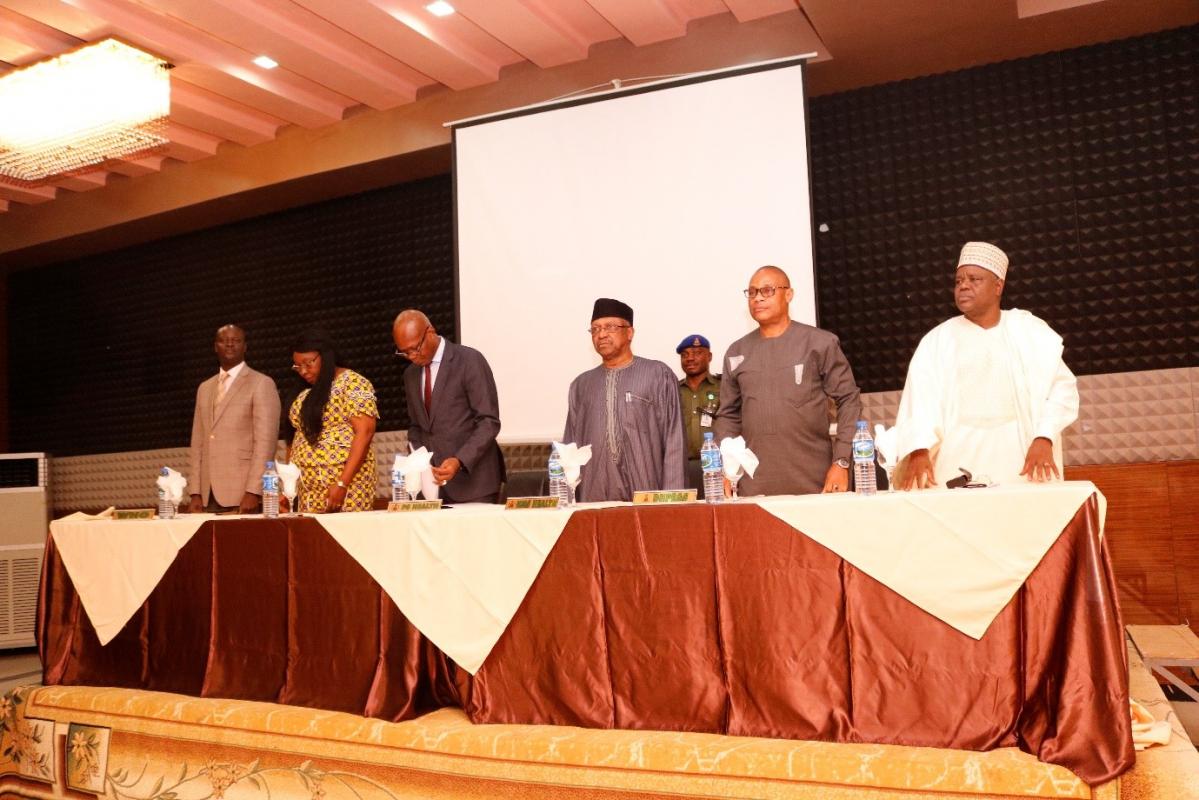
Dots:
{"x": 986, "y": 391}
{"x": 235, "y": 430}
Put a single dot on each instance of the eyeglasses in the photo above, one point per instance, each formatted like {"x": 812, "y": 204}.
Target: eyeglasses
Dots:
{"x": 596, "y": 330}
{"x": 408, "y": 351}
{"x": 309, "y": 364}
{"x": 763, "y": 291}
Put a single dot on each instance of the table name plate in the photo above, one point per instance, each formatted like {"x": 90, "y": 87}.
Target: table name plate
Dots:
{"x": 672, "y": 496}
{"x": 414, "y": 505}
{"x": 134, "y": 513}
{"x": 521, "y": 503}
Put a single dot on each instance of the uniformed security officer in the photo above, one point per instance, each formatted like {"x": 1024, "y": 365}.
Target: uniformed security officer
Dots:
{"x": 699, "y": 395}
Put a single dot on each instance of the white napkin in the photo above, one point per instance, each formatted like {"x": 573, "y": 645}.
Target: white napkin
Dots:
{"x": 413, "y": 466}
{"x": 174, "y": 484}
{"x": 573, "y": 459}
{"x": 1147, "y": 729}
{"x": 886, "y": 444}
{"x": 289, "y": 475}
{"x": 79, "y": 516}
{"x": 736, "y": 456}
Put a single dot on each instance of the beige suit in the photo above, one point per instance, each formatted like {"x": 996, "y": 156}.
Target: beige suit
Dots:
{"x": 232, "y": 441}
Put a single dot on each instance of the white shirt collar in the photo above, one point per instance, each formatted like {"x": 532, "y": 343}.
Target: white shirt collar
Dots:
{"x": 232, "y": 372}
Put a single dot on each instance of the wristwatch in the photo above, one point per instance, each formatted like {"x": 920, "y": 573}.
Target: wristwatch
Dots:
{"x": 342, "y": 484}
{"x": 843, "y": 463}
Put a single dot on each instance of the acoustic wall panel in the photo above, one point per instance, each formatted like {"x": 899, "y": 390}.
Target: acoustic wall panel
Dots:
{"x": 108, "y": 351}
{"x": 1083, "y": 165}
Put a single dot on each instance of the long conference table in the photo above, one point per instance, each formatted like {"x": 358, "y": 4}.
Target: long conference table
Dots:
{"x": 722, "y": 619}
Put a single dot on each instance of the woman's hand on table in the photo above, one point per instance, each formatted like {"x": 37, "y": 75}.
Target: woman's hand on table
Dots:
{"x": 335, "y": 497}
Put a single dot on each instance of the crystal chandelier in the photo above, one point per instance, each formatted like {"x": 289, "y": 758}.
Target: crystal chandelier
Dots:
{"x": 71, "y": 113}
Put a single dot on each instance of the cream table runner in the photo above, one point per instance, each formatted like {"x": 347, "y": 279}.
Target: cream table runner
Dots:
{"x": 959, "y": 554}
{"x": 115, "y": 565}
{"x": 458, "y": 575}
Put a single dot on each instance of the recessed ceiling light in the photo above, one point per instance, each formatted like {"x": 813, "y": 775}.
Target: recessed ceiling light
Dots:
{"x": 440, "y": 8}
{"x": 266, "y": 62}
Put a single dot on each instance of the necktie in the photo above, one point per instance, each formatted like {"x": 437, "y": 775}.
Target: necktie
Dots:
{"x": 428, "y": 387}
{"x": 221, "y": 382}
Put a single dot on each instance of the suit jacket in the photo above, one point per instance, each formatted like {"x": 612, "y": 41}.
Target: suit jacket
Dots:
{"x": 463, "y": 421}
{"x": 231, "y": 443}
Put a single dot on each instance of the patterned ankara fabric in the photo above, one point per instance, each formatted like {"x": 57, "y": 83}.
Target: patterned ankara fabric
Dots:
{"x": 351, "y": 396}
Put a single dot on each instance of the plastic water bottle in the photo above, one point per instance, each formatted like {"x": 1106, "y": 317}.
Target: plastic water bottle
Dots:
{"x": 270, "y": 491}
{"x": 559, "y": 486}
{"x": 713, "y": 467}
{"x": 166, "y": 509}
{"x": 398, "y": 493}
{"x": 863, "y": 460}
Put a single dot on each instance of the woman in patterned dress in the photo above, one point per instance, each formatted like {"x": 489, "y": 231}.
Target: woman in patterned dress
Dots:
{"x": 335, "y": 422}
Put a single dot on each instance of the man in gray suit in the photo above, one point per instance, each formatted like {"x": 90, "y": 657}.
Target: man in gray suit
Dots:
{"x": 235, "y": 431}
{"x": 453, "y": 410}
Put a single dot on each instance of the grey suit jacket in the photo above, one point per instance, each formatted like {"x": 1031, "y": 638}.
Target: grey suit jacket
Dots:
{"x": 463, "y": 422}
{"x": 232, "y": 442}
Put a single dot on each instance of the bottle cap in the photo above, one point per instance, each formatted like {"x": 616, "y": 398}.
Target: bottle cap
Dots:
{"x": 270, "y": 465}
{"x": 707, "y": 435}
{"x": 861, "y": 424}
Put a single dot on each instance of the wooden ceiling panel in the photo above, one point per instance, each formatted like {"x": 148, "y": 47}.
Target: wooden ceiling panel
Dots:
{"x": 209, "y": 112}
{"x": 542, "y": 38}
{"x": 62, "y": 16}
{"x": 188, "y": 144}
{"x": 384, "y": 30}
{"x": 82, "y": 183}
{"x": 36, "y": 39}
{"x": 746, "y": 10}
{"x": 643, "y": 22}
{"x": 237, "y": 86}
{"x": 21, "y": 194}
{"x": 306, "y": 45}
{"x": 135, "y": 167}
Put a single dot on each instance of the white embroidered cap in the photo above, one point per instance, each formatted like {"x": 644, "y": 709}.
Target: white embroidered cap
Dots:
{"x": 987, "y": 256}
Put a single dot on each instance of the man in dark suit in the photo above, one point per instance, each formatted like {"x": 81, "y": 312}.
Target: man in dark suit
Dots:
{"x": 453, "y": 410}
{"x": 235, "y": 430}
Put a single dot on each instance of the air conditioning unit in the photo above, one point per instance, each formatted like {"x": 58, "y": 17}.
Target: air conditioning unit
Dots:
{"x": 24, "y": 523}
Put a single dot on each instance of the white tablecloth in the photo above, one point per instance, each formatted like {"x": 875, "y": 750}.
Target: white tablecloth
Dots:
{"x": 459, "y": 574}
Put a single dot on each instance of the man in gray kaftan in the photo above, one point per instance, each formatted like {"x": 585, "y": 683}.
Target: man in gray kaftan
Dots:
{"x": 627, "y": 409}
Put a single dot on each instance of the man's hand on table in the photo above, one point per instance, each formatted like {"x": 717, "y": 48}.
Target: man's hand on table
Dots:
{"x": 250, "y": 503}
{"x": 916, "y": 472}
{"x": 836, "y": 479}
{"x": 1039, "y": 465}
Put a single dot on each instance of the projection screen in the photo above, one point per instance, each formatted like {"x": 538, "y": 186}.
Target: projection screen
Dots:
{"x": 666, "y": 196}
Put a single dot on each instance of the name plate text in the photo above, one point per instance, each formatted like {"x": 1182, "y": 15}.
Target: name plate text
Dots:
{"x": 135, "y": 513}
{"x": 414, "y": 505}
{"x": 668, "y": 496}
{"x": 531, "y": 502}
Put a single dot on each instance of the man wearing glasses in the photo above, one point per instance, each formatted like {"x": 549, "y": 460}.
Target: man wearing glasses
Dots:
{"x": 775, "y": 390}
{"x": 627, "y": 409}
{"x": 453, "y": 410}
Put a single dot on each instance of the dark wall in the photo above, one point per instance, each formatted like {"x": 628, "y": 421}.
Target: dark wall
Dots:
{"x": 1082, "y": 165}
{"x": 117, "y": 344}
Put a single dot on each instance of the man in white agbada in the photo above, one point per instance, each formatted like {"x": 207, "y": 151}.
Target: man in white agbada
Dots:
{"x": 986, "y": 391}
